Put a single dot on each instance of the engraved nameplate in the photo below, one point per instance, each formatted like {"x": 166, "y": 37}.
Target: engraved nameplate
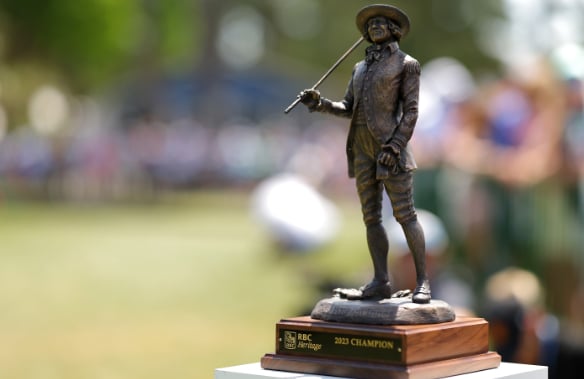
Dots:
{"x": 339, "y": 345}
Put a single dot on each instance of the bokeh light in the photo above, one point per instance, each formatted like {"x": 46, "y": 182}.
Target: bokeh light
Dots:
{"x": 241, "y": 39}
{"x": 48, "y": 109}
{"x": 299, "y": 19}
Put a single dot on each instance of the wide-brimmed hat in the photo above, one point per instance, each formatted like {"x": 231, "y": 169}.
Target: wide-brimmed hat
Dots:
{"x": 394, "y": 14}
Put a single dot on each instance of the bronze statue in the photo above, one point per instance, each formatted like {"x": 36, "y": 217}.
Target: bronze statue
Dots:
{"x": 382, "y": 102}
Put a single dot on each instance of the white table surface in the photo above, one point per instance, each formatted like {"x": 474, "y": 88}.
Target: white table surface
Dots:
{"x": 505, "y": 370}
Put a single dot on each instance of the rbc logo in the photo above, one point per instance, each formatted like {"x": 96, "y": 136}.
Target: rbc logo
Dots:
{"x": 289, "y": 340}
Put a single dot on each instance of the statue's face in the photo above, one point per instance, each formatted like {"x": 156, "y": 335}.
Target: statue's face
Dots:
{"x": 378, "y": 29}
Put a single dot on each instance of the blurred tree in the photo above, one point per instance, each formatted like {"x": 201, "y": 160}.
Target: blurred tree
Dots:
{"x": 85, "y": 46}
{"x": 86, "y": 41}
{"x": 92, "y": 40}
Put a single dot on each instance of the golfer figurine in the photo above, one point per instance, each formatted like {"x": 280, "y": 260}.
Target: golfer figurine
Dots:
{"x": 382, "y": 102}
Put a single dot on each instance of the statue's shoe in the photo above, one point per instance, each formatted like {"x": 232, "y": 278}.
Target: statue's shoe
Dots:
{"x": 370, "y": 291}
{"x": 422, "y": 293}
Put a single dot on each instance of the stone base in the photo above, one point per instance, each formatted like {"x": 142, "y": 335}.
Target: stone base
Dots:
{"x": 393, "y": 311}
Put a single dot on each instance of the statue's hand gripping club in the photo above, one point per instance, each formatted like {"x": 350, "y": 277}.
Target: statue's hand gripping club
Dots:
{"x": 311, "y": 98}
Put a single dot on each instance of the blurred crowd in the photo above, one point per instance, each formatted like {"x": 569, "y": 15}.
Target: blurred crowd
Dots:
{"x": 501, "y": 162}
{"x": 148, "y": 154}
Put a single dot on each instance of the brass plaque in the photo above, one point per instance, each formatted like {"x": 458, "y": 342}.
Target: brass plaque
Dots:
{"x": 339, "y": 345}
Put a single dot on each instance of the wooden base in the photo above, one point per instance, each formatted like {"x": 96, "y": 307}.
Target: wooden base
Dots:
{"x": 307, "y": 345}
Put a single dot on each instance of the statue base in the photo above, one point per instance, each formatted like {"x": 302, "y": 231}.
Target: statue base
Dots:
{"x": 392, "y": 311}
{"x": 307, "y": 345}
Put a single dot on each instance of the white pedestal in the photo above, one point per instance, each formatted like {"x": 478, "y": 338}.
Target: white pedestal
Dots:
{"x": 505, "y": 370}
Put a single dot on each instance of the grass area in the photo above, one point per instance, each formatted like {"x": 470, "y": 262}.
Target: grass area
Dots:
{"x": 167, "y": 290}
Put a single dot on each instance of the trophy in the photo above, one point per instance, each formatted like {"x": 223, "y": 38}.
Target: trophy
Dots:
{"x": 377, "y": 331}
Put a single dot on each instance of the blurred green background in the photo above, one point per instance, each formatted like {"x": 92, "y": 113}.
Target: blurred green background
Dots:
{"x": 135, "y": 137}
{"x": 177, "y": 288}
